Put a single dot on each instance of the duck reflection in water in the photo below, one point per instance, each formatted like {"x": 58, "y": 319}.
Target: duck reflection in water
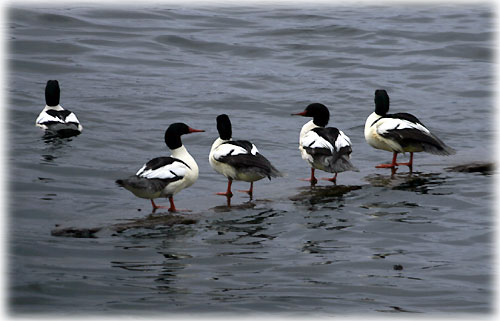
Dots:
{"x": 412, "y": 182}
{"x": 323, "y": 194}
{"x": 54, "y": 147}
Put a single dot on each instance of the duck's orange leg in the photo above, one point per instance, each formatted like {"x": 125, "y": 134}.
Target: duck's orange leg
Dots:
{"x": 391, "y": 165}
{"x": 313, "y": 179}
{"x": 250, "y": 191}
{"x": 228, "y": 192}
{"x": 333, "y": 179}
{"x": 410, "y": 163}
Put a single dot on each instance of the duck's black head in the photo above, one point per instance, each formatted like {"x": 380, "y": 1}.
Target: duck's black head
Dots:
{"x": 381, "y": 102}
{"x": 52, "y": 93}
{"x": 175, "y": 131}
{"x": 319, "y": 112}
{"x": 224, "y": 127}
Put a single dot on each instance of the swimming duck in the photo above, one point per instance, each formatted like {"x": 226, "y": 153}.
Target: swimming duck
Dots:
{"x": 238, "y": 159}
{"x": 324, "y": 148}
{"x": 55, "y": 119}
{"x": 400, "y": 133}
{"x": 165, "y": 176}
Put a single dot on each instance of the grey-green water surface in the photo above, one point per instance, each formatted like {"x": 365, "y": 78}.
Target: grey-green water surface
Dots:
{"x": 130, "y": 71}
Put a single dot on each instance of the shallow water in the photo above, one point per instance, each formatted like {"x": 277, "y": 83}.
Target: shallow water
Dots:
{"x": 129, "y": 72}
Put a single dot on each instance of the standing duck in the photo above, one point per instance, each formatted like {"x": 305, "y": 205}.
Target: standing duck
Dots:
{"x": 238, "y": 159}
{"x": 400, "y": 133}
{"x": 165, "y": 176}
{"x": 53, "y": 118}
{"x": 324, "y": 148}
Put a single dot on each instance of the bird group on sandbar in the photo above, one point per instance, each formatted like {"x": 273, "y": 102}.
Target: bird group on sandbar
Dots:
{"x": 324, "y": 148}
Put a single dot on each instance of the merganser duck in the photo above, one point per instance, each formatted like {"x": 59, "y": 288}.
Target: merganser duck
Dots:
{"x": 400, "y": 133}
{"x": 324, "y": 148}
{"x": 238, "y": 159}
{"x": 55, "y": 119}
{"x": 165, "y": 176}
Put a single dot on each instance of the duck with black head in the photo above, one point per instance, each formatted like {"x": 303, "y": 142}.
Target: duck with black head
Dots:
{"x": 400, "y": 133}
{"x": 238, "y": 159}
{"x": 324, "y": 148}
{"x": 165, "y": 176}
{"x": 55, "y": 120}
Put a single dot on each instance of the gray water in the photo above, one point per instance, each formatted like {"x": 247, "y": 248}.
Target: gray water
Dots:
{"x": 130, "y": 71}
